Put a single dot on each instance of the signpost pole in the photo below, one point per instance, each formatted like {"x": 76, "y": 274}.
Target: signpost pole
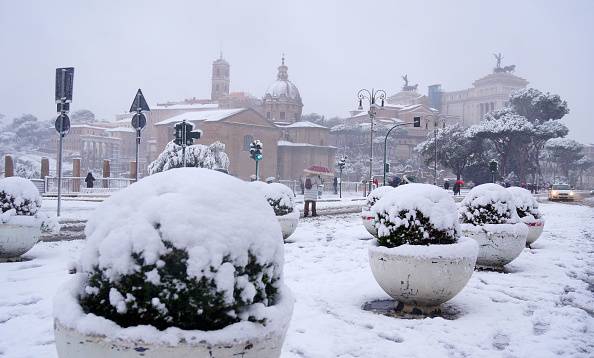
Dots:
{"x": 257, "y": 170}
{"x": 340, "y": 184}
{"x": 184, "y": 139}
{"x": 60, "y": 149}
{"x": 137, "y": 150}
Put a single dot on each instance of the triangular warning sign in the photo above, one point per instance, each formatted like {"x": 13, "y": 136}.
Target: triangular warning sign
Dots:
{"x": 139, "y": 103}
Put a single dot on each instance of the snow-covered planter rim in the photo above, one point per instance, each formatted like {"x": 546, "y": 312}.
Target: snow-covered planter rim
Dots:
{"x": 517, "y": 228}
{"x": 292, "y": 215}
{"x": 69, "y": 314}
{"x": 464, "y": 247}
{"x": 531, "y": 221}
{"x": 21, "y": 220}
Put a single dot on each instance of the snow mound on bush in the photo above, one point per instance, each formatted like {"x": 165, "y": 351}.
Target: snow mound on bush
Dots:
{"x": 375, "y": 195}
{"x": 488, "y": 204}
{"x": 278, "y": 195}
{"x": 19, "y": 196}
{"x": 526, "y": 204}
{"x": 221, "y": 229}
{"x": 399, "y": 213}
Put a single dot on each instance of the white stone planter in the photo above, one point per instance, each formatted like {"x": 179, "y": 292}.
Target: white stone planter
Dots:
{"x": 288, "y": 223}
{"x": 367, "y": 218}
{"x": 79, "y": 335}
{"x": 18, "y": 235}
{"x": 422, "y": 277}
{"x": 499, "y": 244}
{"x": 535, "y": 229}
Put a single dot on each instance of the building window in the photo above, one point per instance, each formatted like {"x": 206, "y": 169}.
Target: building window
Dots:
{"x": 247, "y": 140}
{"x": 282, "y": 116}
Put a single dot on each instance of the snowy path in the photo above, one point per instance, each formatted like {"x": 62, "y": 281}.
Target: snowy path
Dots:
{"x": 543, "y": 308}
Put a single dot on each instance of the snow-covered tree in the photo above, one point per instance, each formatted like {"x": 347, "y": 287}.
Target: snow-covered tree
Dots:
{"x": 26, "y": 132}
{"x": 455, "y": 150}
{"x": 201, "y": 156}
{"x": 565, "y": 153}
{"x": 537, "y": 106}
{"x": 82, "y": 115}
{"x": 510, "y": 135}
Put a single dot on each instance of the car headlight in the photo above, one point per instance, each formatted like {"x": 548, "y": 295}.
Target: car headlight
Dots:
{"x": 554, "y": 192}
{"x": 571, "y": 193}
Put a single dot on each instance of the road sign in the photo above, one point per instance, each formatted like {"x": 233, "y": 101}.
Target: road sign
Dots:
{"x": 138, "y": 121}
{"x": 64, "y": 82}
{"x": 62, "y": 124}
{"x": 139, "y": 103}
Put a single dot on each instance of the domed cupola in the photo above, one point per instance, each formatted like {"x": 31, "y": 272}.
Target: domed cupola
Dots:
{"x": 282, "y": 101}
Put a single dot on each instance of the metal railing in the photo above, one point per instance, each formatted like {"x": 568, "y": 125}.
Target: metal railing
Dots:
{"x": 72, "y": 185}
{"x": 347, "y": 186}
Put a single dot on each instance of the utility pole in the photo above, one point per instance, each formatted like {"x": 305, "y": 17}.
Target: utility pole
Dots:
{"x": 341, "y": 164}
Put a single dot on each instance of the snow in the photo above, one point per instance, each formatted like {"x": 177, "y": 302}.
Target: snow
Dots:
{"x": 121, "y": 129}
{"x": 464, "y": 247}
{"x": 187, "y": 106}
{"x": 20, "y": 196}
{"x": 433, "y": 202}
{"x": 564, "y": 143}
{"x": 485, "y": 194}
{"x": 542, "y": 306}
{"x": 278, "y": 195}
{"x": 211, "y": 156}
{"x": 234, "y": 221}
{"x": 199, "y": 116}
{"x": 525, "y": 202}
{"x": 304, "y": 124}
{"x": 286, "y": 143}
{"x": 375, "y": 195}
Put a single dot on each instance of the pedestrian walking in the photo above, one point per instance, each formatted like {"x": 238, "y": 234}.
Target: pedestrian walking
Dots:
{"x": 310, "y": 196}
{"x": 89, "y": 180}
{"x": 446, "y": 185}
{"x": 335, "y": 184}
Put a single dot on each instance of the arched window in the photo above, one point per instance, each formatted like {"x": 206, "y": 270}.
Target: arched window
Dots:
{"x": 247, "y": 140}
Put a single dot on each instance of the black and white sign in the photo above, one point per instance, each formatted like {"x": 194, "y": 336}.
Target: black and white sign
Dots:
{"x": 138, "y": 121}
{"x": 139, "y": 103}
{"x": 64, "y": 82}
{"x": 62, "y": 124}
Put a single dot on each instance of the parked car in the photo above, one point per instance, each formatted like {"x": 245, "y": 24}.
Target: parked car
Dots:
{"x": 561, "y": 192}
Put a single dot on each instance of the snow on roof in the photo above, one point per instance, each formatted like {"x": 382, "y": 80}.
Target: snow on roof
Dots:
{"x": 86, "y": 126}
{"x": 200, "y": 116}
{"x": 120, "y": 129}
{"x": 304, "y": 124}
{"x": 187, "y": 106}
{"x": 286, "y": 143}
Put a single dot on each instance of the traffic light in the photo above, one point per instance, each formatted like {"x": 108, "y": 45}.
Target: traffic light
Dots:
{"x": 342, "y": 162}
{"x": 387, "y": 168}
{"x": 417, "y": 122}
{"x": 185, "y": 134}
{"x": 256, "y": 150}
{"x": 493, "y": 166}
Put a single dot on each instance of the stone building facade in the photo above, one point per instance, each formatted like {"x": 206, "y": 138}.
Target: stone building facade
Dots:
{"x": 487, "y": 94}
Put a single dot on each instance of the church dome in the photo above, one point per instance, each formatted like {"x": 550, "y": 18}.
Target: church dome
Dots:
{"x": 282, "y": 86}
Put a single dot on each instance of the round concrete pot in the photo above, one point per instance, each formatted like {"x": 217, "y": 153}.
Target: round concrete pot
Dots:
{"x": 499, "y": 244}
{"x": 80, "y": 335}
{"x": 18, "y": 235}
{"x": 368, "y": 222}
{"x": 288, "y": 223}
{"x": 419, "y": 277}
{"x": 535, "y": 229}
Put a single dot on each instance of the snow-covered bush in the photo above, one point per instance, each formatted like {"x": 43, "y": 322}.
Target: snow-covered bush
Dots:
{"x": 488, "y": 204}
{"x": 375, "y": 195}
{"x": 279, "y": 196}
{"x": 19, "y": 196}
{"x": 188, "y": 248}
{"x": 199, "y": 156}
{"x": 526, "y": 204}
{"x": 416, "y": 214}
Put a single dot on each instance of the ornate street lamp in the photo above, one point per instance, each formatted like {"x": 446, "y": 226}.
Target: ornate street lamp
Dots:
{"x": 371, "y": 97}
{"x": 416, "y": 123}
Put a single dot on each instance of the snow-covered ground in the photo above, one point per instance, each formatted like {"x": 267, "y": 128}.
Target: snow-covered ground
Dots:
{"x": 542, "y": 307}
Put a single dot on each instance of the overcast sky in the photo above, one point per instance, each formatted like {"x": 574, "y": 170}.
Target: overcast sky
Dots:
{"x": 332, "y": 48}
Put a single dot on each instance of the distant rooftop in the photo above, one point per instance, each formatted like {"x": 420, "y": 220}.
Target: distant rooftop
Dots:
{"x": 304, "y": 124}
{"x": 202, "y": 116}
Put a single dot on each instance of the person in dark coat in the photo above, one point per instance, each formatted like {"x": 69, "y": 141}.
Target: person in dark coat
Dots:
{"x": 89, "y": 180}
{"x": 446, "y": 185}
{"x": 335, "y": 184}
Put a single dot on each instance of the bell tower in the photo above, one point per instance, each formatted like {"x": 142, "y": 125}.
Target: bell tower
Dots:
{"x": 220, "y": 79}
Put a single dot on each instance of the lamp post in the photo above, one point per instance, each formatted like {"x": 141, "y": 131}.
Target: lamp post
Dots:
{"x": 372, "y": 97}
{"x": 341, "y": 164}
{"x": 416, "y": 123}
{"x": 436, "y": 119}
